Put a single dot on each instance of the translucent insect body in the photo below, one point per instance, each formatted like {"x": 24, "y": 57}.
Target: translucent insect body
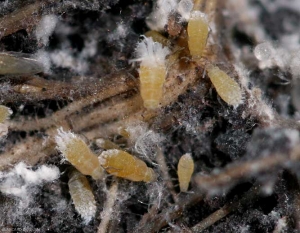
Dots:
{"x": 152, "y": 71}
{"x": 82, "y": 195}
{"x": 185, "y": 170}
{"x": 123, "y": 164}
{"x": 227, "y": 88}
{"x": 197, "y": 33}
{"x": 78, "y": 154}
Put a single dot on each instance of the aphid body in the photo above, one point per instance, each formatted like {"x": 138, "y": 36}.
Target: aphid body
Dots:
{"x": 198, "y": 30}
{"x": 227, "y": 88}
{"x": 82, "y": 195}
{"x": 18, "y": 64}
{"x": 123, "y": 164}
{"x": 185, "y": 170}
{"x": 76, "y": 151}
{"x": 152, "y": 71}
{"x": 5, "y": 112}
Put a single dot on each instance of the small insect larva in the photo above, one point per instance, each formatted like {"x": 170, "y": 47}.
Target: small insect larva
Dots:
{"x": 18, "y": 64}
{"x": 152, "y": 71}
{"x": 82, "y": 195}
{"x": 5, "y": 112}
{"x": 227, "y": 88}
{"x": 123, "y": 164}
{"x": 76, "y": 151}
{"x": 198, "y": 30}
{"x": 185, "y": 170}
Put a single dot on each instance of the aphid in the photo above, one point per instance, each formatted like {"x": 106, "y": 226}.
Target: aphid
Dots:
{"x": 76, "y": 151}
{"x": 227, "y": 88}
{"x": 82, "y": 195}
{"x": 152, "y": 71}
{"x": 198, "y": 30}
{"x": 26, "y": 89}
{"x": 123, "y": 164}
{"x": 106, "y": 144}
{"x": 18, "y": 64}
{"x": 185, "y": 170}
{"x": 5, "y": 112}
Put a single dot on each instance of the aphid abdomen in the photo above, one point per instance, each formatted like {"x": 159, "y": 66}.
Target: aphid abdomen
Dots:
{"x": 185, "y": 170}
{"x": 227, "y": 88}
{"x": 198, "y": 30}
{"x": 82, "y": 195}
{"x": 78, "y": 154}
{"x": 151, "y": 85}
{"x": 123, "y": 164}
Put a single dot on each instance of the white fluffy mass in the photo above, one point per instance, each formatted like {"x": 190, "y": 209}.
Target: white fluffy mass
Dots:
{"x": 158, "y": 19}
{"x": 150, "y": 53}
{"x": 160, "y": 14}
{"x": 63, "y": 139}
{"x": 144, "y": 141}
{"x": 45, "y": 28}
{"x": 21, "y": 179}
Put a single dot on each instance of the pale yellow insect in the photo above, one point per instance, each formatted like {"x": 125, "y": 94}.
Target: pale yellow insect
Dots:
{"x": 5, "y": 112}
{"x": 77, "y": 152}
{"x": 227, "y": 88}
{"x": 82, "y": 195}
{"x": 198, "y": 30}
{"x": 185, "y": 170}
{"x": 123, "y": 164}
{"x": 18, "y": 64}
{"x": 152, "y": 71}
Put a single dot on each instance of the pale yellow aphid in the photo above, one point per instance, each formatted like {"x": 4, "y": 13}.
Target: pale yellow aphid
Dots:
{"x": 228, "y": 89}
{"x": 123, "y": 164}
{"x": 82, "y": 195}
{"x": 5, "y": 112}
{"x": 18, "y": 63}
{"x": 198, "y": 30}
{"x": 77, "y": 152}
{"x": 152, "y": 71}
{"x": 185, "y": 170}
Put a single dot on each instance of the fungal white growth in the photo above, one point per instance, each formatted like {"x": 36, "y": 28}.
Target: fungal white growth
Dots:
{"x": 21, "y": 179}
{"x": 144, "y": 141}
{"x": 45, "y": 28}
{"x": 150, "y": 53}
{"x": 160, "y": 14}
{"x": 184, "y": 8}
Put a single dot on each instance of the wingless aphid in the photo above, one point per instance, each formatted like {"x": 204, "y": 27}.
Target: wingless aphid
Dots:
{"x": 185, "y": 170}
{"x": 228, "y": 89}
{"x": 198, "y": 30}
{"x": 77, "y": 152}
{"x": 82, "y": 195}
{"x": 19, "y": 64}
{"x": 123, "y": 164}
{"x": 152, "y": 71}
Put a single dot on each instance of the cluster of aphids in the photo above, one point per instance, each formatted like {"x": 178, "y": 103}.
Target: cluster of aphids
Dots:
{"x": 154, "y": 54}
{"x": 112, "y": 160}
